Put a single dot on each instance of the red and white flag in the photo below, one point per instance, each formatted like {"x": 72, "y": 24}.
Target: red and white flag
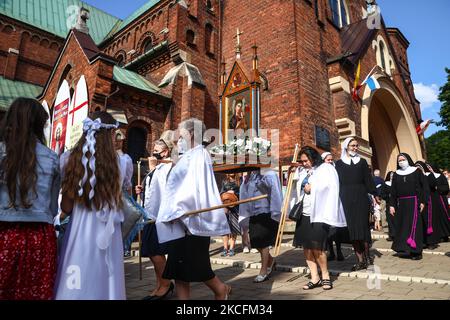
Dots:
{"x": 423, "y": 126}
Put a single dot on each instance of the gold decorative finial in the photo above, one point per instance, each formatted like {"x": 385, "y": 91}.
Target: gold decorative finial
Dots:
{"x": 238, "y": 43}
{"x": 255, "y": 56}
{"x": 238, "y": 33}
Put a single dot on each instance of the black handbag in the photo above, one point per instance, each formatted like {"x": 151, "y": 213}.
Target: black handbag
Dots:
{"x": 297, "y": 211}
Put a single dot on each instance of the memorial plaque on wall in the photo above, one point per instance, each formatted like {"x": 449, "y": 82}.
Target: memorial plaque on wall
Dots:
{"x": 322, "y": 138}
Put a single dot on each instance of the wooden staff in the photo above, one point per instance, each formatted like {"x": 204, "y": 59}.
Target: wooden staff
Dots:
{"x": 285, "y": 208}
{"x": 139, "y": 233}
{"x": 231, "y": 204}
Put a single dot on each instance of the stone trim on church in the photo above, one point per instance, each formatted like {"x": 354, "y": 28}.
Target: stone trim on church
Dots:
{"x": 175, "y": 54}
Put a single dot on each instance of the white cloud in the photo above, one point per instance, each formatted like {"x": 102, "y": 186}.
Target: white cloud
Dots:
{"x": 427, "y": 95}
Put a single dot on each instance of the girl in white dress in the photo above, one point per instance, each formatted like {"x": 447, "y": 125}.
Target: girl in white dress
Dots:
{"x": 91, "y": 262}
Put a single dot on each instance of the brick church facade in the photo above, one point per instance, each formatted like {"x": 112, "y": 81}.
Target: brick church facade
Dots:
{"x": 170, "y": 60}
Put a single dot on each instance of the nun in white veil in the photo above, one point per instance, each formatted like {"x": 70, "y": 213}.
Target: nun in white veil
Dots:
{"x": 355, "y": 185}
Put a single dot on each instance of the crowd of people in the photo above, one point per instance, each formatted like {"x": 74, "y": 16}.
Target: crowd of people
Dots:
{"x": 87, "y": 186}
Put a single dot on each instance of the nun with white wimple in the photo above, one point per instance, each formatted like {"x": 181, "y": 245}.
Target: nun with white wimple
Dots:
{"x": 90, "y": 266}
{"x": 442, "y": 189}
{"x": 355, "y": 184}
{"x": 191, "y": 185}
{"x": 406, "y": 203}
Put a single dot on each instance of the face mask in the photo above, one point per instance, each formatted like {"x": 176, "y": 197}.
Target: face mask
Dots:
{"x": 157, "y": 155}
{"x": 182, "y": 146}
{"x": 352, "y": 153}
{"x": 403, "y": 164}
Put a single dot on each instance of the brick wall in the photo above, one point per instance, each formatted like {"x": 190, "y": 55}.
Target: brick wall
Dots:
{"x": 38, "y": 51}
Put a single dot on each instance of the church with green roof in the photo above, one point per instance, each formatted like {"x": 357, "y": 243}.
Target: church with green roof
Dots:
{"x": 290, "y": 65}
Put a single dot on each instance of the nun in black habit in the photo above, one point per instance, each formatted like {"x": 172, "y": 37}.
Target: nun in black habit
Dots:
{"x": 407, "y": 203}
{"x": 431, "y": 231}
{"x": 355, "y": 184}
{"x": 440, "y": 203}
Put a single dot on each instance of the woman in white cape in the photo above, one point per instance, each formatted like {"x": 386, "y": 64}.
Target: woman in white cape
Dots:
{"x": 318, "y": 188}
{"x": 191, "y": 186}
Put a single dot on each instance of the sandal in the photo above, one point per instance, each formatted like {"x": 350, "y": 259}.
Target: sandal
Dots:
{"x": 327, "y": 284}
{"x": 261, "y": 278}
{"x": 311, "y": 285}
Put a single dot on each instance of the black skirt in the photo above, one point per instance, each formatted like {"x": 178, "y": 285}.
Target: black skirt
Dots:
{"x": 188, "y": 260}
{"x": 311, "y": 235}
{"x": 233, "y": 221}
{"x": 409, "y": 227}
{"x": 150, "y": 244}
{"x": 262, "y": 231}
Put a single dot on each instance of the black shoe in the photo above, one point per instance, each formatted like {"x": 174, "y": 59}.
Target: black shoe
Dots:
{"x": 359, "y": 266}
{"x": 369, "y": 261}
{"x": 155, "y": 297}
{"x": 445, "y": 239}
{"x": 416, "y": 257}
{"x": 389, "y": 239}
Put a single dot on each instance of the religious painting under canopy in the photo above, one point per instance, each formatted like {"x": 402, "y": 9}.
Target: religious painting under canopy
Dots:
{"x": 240, "y": 102}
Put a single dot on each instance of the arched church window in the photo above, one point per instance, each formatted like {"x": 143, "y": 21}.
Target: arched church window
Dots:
{"x": 383, "y": 60}
{"x": 340, "y": 13}
{"x": 120, "y": 60}
{"x": 190, "y": 37}
{"x": 65, "y": 75}
{"x": 137, "y": 143}
{"x": 209, "y": 45}
{"x": 148, "y": 45}
{"x": 209, "y": 5}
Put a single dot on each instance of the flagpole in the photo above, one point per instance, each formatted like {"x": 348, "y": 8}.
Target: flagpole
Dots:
{"x": 370, "y": 73}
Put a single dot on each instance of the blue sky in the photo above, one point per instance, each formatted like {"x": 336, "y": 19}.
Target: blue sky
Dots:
{"x": 424, "y": 23}
{"x": 427, "y": 27}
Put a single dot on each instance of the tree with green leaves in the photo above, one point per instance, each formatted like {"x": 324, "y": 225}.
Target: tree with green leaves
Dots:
{"x": 444, "y": 97}
{"x": 438, "y": 149}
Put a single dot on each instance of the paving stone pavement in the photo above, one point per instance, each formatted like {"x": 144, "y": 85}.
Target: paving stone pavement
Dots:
{"x": 391, "y": 278}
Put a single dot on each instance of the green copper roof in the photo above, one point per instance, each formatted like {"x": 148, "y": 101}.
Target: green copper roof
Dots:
{"x": 153, "y": 51}
{"x": 10, "y": 90}
{"x": 55, "y": 15}
{"x": 147, "y": 6}
{"x": 133, "y": 79}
